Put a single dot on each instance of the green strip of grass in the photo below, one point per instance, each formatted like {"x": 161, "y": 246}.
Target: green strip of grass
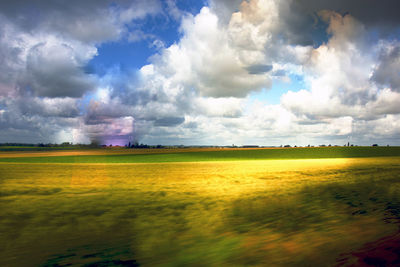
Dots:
{"x": 223, "y": 155}
{"x": 34, "y": 148}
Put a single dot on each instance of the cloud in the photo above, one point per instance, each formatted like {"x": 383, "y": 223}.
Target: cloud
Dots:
{"x": 139, "y": 9}
{"x": 387, "y": 71}
{"x": 259, "y": 69}
{"x": 337, "y": 72}
{"x": 212, "y": 61}
{"x": 91, "y": 21}
{"x": 218, "y": 107}
{"x": 88, "y": 21}
{"x": 48, "y": 107}
{"x": 173, "y": 10}
{"x": 224, "y": 9}
{"x": 200, "y": 89}
{"x": 43, "y": 64}
{"x": 38, "y": 122}
{"x": 208, "y": 74}
{"x": 369, "y": 12}
{"x": 55, "y": 69}
{"x": 169, "y": 121}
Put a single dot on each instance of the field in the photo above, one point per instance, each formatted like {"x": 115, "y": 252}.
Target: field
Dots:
{"x": 200, "y": 207}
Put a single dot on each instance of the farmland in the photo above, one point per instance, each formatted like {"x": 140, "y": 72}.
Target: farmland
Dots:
{"x": 205, "y": 207}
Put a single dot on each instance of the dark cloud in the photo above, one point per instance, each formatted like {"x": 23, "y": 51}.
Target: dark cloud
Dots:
{"x": 10, "y": 64}
{"x": 87, "y": 21}
{"x": 259, "y": 69}
{"x": 370, "y": 12}
{"x": 54, "y": 71}
{"x": 84, "y": 20}
{"x": 300, "y": 22}
{"x": 311, "y": 122}
{"x": 31, "y": 128}
{"x": 113, "y": 109}
{"x": 387, "y": 72}
{"x": 296, "y": 27}
{"x": 50, "y": 107}
{"x": 169, "y": 121}
{"x": 351, "y": 98}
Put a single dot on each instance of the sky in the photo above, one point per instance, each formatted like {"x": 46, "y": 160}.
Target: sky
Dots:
{"x": 211, "y": 72}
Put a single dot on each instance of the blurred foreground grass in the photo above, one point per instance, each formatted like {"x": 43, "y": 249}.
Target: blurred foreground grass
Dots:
{"x": 227, "y": 213}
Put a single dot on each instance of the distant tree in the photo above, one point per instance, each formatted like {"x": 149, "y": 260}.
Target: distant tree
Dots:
{"x": 375, "y": 145}
{"x": 94, "y": 143}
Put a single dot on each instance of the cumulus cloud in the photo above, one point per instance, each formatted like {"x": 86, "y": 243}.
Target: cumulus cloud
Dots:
{"x": 369, "y": 12}
{"x": 86, "y": 21}
{"x": 231, "y": 59}
{"x": 387, "y": 71}
{"x": 55, "y": 70}
{"x": 209, "y": 73}
{"x": 48, "y": 107}
{"x": 45, "y": 47}
{"x": 169, "y": 121}
{"x": 337, "y": 72}
{"x": 207, "y": 61}
{"x": 200, "y": 89}
{"x": 37, "y": 122}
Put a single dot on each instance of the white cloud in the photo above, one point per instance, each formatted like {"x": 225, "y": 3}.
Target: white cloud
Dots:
{"x": 196, "y": 91}
{"x": 207, "y": 61}
{"x": 338, "y": 73}
{"x": 218, "y": 107}
{"x": 206, "y": 77}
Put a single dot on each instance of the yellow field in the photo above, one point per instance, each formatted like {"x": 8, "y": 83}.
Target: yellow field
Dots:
{"x": 265, "y": 212}
{"x": 115, "y": 151}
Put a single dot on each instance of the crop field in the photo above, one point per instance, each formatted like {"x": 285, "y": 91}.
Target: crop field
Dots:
{"x": 201, "y": 207}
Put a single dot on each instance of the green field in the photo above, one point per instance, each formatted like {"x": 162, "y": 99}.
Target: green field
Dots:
{"x": 256, "y": 207}
{"x": 33, "y": 148}
{"x": 214, "y": 155}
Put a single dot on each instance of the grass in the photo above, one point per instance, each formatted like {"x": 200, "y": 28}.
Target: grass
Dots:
{"x": 220, "y": 213}
{"x": 214, "y": 155}
{"x": 33, "y": 148}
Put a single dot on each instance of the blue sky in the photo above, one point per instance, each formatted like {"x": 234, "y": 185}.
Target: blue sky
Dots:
{"x": 212, "y": 72}
{"x": 129, "y": 55}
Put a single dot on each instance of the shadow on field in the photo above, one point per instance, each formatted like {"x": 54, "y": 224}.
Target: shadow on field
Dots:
{"x": 314, "y": 207}
{"x": 99, "y": 259}
{"x": 314, "y": 215}
{"x": 30, "y": 191}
